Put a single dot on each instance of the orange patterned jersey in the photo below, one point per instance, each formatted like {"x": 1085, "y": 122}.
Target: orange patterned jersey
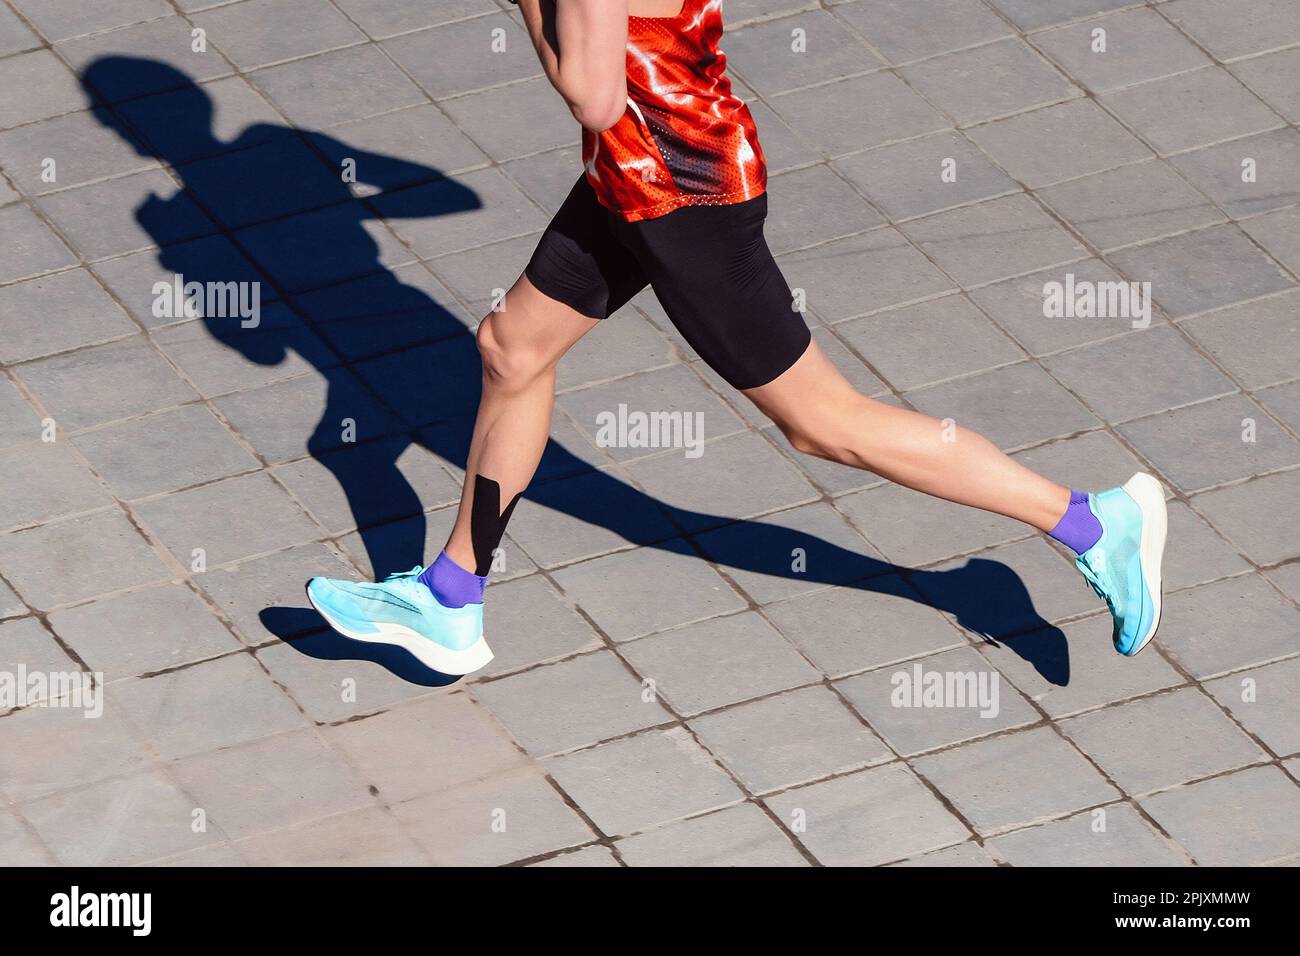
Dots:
{"x": 684, "y": 139}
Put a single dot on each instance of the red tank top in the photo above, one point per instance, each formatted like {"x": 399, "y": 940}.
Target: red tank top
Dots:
{"x": 684, "y": 139}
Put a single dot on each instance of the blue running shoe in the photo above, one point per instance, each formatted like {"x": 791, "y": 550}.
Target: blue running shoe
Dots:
{"x": 1123, "y": 567}
{"x": 402, "y": 611}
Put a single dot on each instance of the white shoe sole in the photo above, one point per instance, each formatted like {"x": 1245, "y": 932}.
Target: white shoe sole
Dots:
{"x": 429, "y": 653}
{"x": 1150, "y": 498}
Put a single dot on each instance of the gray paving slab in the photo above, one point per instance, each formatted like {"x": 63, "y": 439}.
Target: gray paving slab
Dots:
{"x": 1114, "y": 835}
{"x": 696, "y": 497}
{"x": 1229, "y": 30}
{"x": 789, "y": 739}
{"x": 1033, "y": 14}
{"x": 588, "y": 856}
{"x": 875, "y": 816}
{"x": 81, "y": 146}
{"x": 900, "y": 343}
{"x": 59, "y": 19}
{"x": 508, "y": 817}
{"x": 328, "y": 89}
{"x": 11, "y": 605}
{"x": 229, "y": 519}
{"x": 993, "y": 240}
{"x": 643, "y": 781}
{"x": 30, "y": 247}
{"x": 742, "y": 835}
{"x": 970, "y": 699}
{"x": 1284, "y": 402}
{"x": 1218, "y": 171}
{"x": 450, "y": 58}
{"x": 158, "y": 453}
{"x": 1279, "y": 233}
{"x": 46, "y": 564}
{"x": 398, "y": 752}
{"x": 515, "y": 120}
{"x": 369, "y": 837}
{"x": 143, "y": 631}
{"x": 1131, "y": 204}
{"x": 1232, "y": 336}
{"x": 118, "y": 822}
{"x": 208, "y": 706}
{"x": 242, "y": 591}
{"x": 932, "y": 530}
{"x": 1077, "y": 668}
{"x": 812, "y": 547}
{"x": 20, "y": 844}
{"x": 993, "y": 404}
{"x": 574, "y": 703}
{"x": 48, "y": 479}
{"x": 1194, "y": 552}
{"x": 1194, "y": 622}
{"x": 623, "y": 592}
{"x": 1052, "y": 779}
{"x": 1272, "y": 78}
{"x": 1261, "y": 701}
{"x": 718, "y": 662}
{"x": 1254, "y": 516}
{"x": 1236, "y": 820}
{"x": 329, "y": 685}
{"x": 529, "y": 621}
{"x": 131, "y": 279}
{"x": 78, "y": 750}
{"x": 1171, "y": 373}
{"x": 989, "y": 81}
{"x": 768, "y": 58}
{"x": 890, "y": 271}
{"x": 165, "y": 40}
{"x": 25, "y": 642}
{"x": 831, "y": 118}
{"x": 904, "y": 31}
{"x": 272, "y": 783}
{"x": 108, "y": 382}
{"x": 253, "y": 34}
{"x": 814, "y": 206}
{"x": 117, "y": 216}
{"x": 907, "y": 179}
{"x": 1228, "y": 269}
{"x": 14, "y": 35}
{"x": 1090, "y": 462}
{"x": 381, "y": 18}
{"x": 1192, "y": 109}
{"x": 50, "y": 88}
{"x": 1020, "y": 307}
{"x": 843, "y": 630}
{"x": 1234, "y": 436}
{"x": 1066, "y": 141}
{"x": 1161, "y": 741}
{"x": 1140, "y": 45}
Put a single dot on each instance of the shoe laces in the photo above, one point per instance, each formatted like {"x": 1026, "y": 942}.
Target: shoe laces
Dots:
{"x": 1094, "y": 581}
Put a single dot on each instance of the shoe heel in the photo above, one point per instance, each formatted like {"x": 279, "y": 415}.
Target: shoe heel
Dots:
{"x": 1149, "y": 495}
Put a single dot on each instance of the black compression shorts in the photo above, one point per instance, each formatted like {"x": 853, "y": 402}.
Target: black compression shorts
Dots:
{"x": 709, "y": 265}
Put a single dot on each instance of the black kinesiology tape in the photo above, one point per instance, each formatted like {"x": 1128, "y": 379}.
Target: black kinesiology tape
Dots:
{"x": 487, "y": 522}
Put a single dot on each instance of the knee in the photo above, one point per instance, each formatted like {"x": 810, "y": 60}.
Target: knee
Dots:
{"x": 509, "y": 365}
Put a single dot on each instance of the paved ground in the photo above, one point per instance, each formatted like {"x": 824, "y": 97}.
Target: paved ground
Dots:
{"x": 672, "y": 684}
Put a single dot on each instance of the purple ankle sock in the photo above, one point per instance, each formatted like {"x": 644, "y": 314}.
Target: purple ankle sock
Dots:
{"x": 1078, "y": 528}
{"x": 451, "y": 584}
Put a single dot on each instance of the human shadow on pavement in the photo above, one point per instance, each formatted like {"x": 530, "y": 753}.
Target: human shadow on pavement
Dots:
{"x": 405, "y": 370}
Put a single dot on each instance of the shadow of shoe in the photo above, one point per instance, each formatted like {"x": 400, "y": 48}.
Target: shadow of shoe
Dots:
{"x": 326, "y": 645}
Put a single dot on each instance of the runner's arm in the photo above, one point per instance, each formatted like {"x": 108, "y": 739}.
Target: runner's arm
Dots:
{"x": 582, "y": 45}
